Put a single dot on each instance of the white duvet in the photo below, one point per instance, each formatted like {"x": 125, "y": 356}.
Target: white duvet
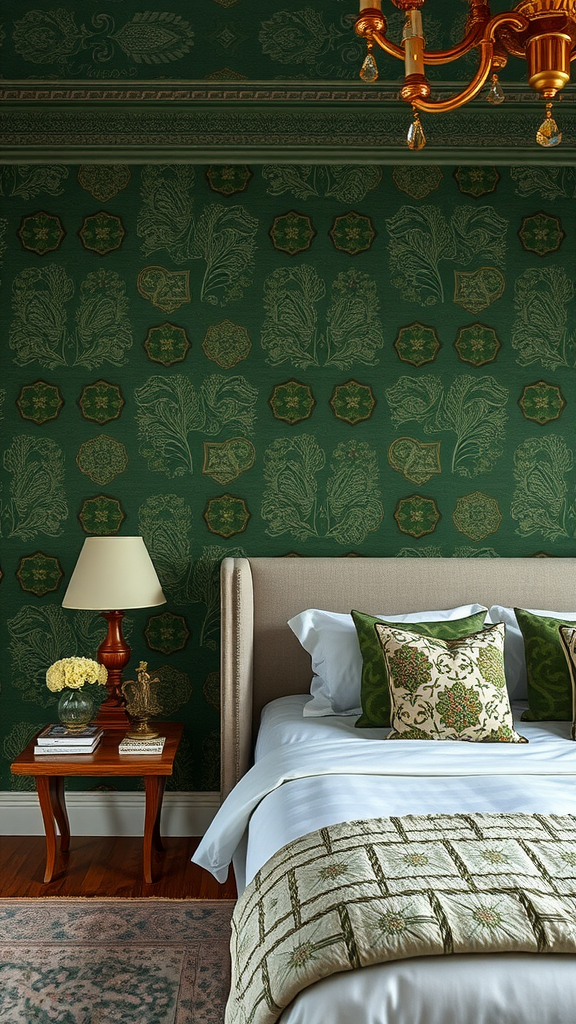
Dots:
{"x": 314, "y": 772}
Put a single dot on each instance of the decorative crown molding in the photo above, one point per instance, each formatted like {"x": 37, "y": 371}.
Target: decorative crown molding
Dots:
{"x": 284, "y": 122}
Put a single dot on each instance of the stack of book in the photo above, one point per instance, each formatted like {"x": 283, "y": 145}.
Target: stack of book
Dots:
{"x": 57, "y": 739}
{"x": 153, "y": 746}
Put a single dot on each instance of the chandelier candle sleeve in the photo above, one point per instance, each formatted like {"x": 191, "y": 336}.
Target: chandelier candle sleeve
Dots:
{"x": 414, "y": 42}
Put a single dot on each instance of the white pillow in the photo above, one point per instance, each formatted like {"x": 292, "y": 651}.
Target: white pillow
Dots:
{"x": 331, "y": 640}
{"x": 514, "y": 657}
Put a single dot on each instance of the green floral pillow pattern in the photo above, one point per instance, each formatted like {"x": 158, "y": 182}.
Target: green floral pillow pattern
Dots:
{"x": 448, "y": 689}
{"x": 375, "y": 695}
{"x": 549, "y": 683}
{"x": 568, "y": 639}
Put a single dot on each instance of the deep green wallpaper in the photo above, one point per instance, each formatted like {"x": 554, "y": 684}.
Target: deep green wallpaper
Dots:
{"x": 212, "y": 39}
{"x": 277, "y": 360}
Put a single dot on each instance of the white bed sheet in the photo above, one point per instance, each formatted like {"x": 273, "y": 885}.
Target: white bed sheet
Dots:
{"x": 309, "y": 803}
{"x": 311, "y": 772}
{"x": 293, "y": 748}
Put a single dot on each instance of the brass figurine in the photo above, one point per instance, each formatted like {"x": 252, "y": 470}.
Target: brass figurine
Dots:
{"x": 141, "y": 704}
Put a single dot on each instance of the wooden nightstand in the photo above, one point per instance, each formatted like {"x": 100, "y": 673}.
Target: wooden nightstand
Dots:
{"x": 50, "y": 772}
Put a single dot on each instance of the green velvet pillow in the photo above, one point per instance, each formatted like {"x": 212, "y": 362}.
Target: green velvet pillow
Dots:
{"x": 375, "y": 695}
{"x": 549, "y": 682}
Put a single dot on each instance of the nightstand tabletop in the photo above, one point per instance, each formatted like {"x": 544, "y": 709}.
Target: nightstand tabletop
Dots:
{"x": 105, "y": 760}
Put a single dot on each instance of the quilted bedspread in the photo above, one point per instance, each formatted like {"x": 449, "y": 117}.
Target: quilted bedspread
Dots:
{"x": 370, "y": 891}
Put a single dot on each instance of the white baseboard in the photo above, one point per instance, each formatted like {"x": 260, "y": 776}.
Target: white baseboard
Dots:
{"x": 110, "y": 814}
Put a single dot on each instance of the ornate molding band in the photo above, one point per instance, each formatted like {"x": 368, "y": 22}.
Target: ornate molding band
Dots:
{"x": 258, "y": 122}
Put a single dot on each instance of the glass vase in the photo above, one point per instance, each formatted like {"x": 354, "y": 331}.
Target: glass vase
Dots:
{"x": 75, "y": 709}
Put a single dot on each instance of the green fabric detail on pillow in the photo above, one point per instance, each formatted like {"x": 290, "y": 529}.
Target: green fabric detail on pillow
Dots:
{"x": 375, "y": 695}
{"x": 549, "y": 683}
{"x": 448, "y": 689}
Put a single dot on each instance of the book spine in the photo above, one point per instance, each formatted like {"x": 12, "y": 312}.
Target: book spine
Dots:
{"x": 140, "y": 750}
{"x": 43, "y": 741}
{"x": 64, "y": 750}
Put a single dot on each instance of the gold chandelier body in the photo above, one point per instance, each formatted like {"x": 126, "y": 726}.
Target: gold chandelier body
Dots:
{"x": 543, "y": 32}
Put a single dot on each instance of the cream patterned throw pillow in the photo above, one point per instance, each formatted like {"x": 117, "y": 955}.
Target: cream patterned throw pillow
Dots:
{"x": 448, "y": 689}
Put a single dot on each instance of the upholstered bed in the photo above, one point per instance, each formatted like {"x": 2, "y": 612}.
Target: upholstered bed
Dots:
{"x": 315, "y": 775}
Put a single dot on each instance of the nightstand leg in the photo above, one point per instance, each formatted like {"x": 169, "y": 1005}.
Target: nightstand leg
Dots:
{"x": 154, "y": 786}
{"x": 60, "y": 812}
{"x": 51, "y": 796}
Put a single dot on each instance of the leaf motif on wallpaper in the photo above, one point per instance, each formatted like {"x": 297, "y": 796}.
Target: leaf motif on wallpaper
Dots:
{"x": 155, "y": 37}
{"x": 354, "y": 331}
{"x": 429, "y": 551}
{"x": 301, "y": 37}
{"x": 548, "y": 182}
{"x": 347, "y": 183}
{"x": 103, "y": 328}
{"x": 39, "y": 328}
{"x": 152, "y": 37}
{"x": 19, "y": 736}
{"x": 165, "y": 523}
{"x": 290, "y": 502}
{"x": 38, "y": 332}
{"x": 540, "y": 330}
{"x": 37, "y": 502}
{"x": 48, "y": 37}
{"x": 170, "y": 408}
{"x": 475, "y": 409}
{"x": 165, "y": 220}
{"x": 353, "y": 501}
{"x": 290, "y": 328}
{"x": 29, "y": 180}
{"x": 540, "y": 502}
{"x": 223, "y": 236}
{"x": 90, "y": 631}
{"x": 227, "y": 403}
{"x": 421, "y": 238}
{"x": 478, "y": 231}
{"x": 466, "y": 551}
{"x": 205, "y": 589}
{"x": 415, "y": 398}
{"x": 38, "y": 637}
{"x": 472, "y": 407}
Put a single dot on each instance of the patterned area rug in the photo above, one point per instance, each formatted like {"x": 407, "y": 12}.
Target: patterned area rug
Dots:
{"x": 68, "y": 961}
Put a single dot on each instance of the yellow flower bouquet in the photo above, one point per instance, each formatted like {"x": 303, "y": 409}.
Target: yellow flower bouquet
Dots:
{"x": 72, "y": 673}
{"x": 67, "y": 677}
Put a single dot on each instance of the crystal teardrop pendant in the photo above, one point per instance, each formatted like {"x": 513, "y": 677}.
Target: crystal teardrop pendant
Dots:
{"x": 548, "y": 133}
{"x": 369, "y": 69}
{"x": 416, "y": 138}
{"x": 495, "y": 92}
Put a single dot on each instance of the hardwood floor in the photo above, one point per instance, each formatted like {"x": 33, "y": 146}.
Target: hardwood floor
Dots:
{"x": 108, "y": 866}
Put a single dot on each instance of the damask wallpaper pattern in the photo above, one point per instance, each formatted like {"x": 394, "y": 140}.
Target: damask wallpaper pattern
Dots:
{"x": 277, "y": 360}
{"x": 209, "y": 39}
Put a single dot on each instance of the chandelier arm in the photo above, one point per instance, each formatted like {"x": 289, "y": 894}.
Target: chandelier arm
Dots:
{"x": 472, "y": 90}
{"x": 472, "y": 38}
{"x": 486, "y": 46}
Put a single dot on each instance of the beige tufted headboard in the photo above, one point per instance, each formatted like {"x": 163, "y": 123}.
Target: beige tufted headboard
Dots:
{"x": 261, "y": 658}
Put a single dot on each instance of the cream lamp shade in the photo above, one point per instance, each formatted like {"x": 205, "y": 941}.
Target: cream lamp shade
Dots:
{"x": 113, "y": 573}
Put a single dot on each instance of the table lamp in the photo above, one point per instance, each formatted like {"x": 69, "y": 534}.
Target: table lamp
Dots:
{"x": 113, "y": 573}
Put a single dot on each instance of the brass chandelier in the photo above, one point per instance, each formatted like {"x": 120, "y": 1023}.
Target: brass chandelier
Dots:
{"x": 543, "y": 32}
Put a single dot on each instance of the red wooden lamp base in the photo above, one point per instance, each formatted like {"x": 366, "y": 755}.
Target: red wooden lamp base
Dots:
{"x": 114, "y": 653}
